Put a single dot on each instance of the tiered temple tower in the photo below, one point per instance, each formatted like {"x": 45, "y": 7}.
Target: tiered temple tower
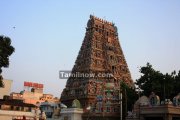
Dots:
{"x": 102, "y": 55}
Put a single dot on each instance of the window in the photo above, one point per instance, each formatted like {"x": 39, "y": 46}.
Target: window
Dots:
{"x": 22, "y": 108}
{"x": 17, "y": 108}
{"x": 99, "y": 107}
{"x": 111, "y": 57}
{"x": 98, "y": 54}
{"x": 108, "y": 106}
{"x": 110, "y": 48}
{"x": 116, "y": 110}
{"x": 107, "y": 33}
{"x": 98, "y": 45}
{"x": 107, "y": 109}
{"x": 113, "y": 68}
{"x": 66, "y": 118}
{"x": 12, "y": 107}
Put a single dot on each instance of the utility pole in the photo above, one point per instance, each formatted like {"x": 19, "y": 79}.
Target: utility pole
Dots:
{"x": 126, "y": 102}
{"x": 121, "y": 103}
{"x": 164, "y": 87}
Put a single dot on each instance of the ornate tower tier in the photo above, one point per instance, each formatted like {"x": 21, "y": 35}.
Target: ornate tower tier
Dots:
{"x": 103, "y": 65}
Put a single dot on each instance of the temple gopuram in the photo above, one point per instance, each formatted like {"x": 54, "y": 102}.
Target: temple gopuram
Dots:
{"x": 98, "y": 70}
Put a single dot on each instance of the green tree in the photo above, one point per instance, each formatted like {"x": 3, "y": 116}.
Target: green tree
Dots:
{"x": 149, "y": 80}
{"x": 164, "y": 85}
{"x": 176, "y": 83}
{"x": 6, "y": 49}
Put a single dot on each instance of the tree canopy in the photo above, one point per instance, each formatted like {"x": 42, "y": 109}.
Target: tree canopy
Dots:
{"x": 6, "y": 49}
{"x": 166, "y": 86}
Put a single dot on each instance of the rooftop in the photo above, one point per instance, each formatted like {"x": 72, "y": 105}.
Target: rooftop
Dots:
{"x": 15, "y": 103}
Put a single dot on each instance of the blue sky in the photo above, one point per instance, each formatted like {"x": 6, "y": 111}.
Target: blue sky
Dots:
{"x": 48, "y": 35}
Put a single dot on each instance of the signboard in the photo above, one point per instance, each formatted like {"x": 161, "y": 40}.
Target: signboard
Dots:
{"x": 31, "y": 84}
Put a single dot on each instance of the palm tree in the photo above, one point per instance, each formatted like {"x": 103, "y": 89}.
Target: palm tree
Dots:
{"x": 5, "y": 51}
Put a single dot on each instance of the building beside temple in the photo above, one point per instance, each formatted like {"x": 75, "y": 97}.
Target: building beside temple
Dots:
{"x": 6, "y": 89}
{"x": 51, "y": 109}
{"x": 31, "y": 103}
{"x": 16, "y": 110}
{"x": 33, "y": 94}
{"x": 152, "y": 108}
{"x": 99, "y": 68}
